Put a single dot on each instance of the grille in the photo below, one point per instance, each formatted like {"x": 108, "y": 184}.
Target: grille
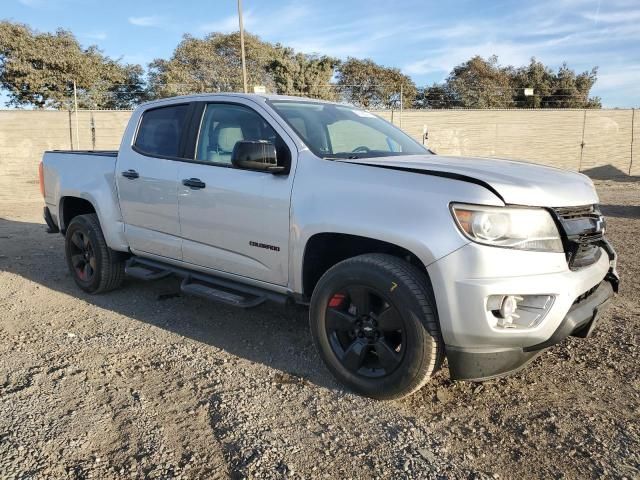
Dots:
{"x": 582, "y": 231}
{"x": 568, "y": 213}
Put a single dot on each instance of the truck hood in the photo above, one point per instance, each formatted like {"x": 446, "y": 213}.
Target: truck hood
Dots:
{"x": 516, "y": 183}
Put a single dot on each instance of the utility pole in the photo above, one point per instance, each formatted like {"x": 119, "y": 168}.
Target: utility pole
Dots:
{"x": 75, "y": 101}
{"x": 244, "y": 66}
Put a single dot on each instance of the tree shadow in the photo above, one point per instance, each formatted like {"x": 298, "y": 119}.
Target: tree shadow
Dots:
{"x": 620, "y": 211}
{"x": 270, "y": 334}
{"x": 609, "y": 172}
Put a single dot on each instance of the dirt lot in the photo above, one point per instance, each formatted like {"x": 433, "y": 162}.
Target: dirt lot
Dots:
{"x": 143, "y": 382}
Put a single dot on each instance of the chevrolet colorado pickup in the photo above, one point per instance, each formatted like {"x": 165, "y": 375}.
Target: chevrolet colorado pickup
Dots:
{"x": 403, "y": 256}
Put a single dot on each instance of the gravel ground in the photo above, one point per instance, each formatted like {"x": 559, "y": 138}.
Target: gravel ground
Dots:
{"x": 144, "y": 382}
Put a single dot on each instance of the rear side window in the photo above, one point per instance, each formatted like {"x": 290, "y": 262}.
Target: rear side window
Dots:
{"x": 161, "y": 130}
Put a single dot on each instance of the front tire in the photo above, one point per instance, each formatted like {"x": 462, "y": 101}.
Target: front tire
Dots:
{"x": 374, "y": 323}
{"x": 93, "y": 265}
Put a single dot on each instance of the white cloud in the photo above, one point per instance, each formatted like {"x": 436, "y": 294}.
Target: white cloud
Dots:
{"x": 624, "y": 76}
{"x": 614, "y": 17}
{"x": 150, "y": 21}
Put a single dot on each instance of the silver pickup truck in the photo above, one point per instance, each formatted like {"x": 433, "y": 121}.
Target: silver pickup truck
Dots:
{"x": 404, "y": 257}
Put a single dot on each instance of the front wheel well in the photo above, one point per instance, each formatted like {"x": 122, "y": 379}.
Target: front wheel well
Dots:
{"x": 72, "y": 207}
{"x": 324, "y": 250}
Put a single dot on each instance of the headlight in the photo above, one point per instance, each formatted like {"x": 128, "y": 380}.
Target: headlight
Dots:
{"x": 521, "y": 228}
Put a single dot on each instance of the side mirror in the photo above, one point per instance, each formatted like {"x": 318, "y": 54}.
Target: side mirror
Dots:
{"x": 256, "y": 155}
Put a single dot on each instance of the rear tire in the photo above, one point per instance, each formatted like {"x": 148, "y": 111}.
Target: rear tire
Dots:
{"x": 374, "y": 323}
{"x": 93, "y": 265}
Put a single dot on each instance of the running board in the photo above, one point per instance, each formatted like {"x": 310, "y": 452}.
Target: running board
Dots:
{"x": 217, "y": 294}
{"x": 143, "y": 272}
{"x": 214, "y": 288}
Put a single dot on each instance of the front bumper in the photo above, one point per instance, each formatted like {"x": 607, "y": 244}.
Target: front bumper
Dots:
{"x": 463, "y": 281}
{"x": 579, "y": 322}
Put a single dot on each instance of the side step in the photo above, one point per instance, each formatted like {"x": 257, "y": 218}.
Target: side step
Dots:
{"x": 144, "y": 272}
{"x": 218, "y": 294}
{"x": 206, "y": 286}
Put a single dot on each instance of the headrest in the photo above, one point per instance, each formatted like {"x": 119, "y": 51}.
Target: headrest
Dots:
{"x": 228, "y": 137}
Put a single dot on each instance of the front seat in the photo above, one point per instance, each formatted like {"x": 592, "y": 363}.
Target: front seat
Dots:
{"x": 227, "y": 137}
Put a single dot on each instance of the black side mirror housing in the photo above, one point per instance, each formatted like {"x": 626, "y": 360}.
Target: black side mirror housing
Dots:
{"x": 257, "y": 155}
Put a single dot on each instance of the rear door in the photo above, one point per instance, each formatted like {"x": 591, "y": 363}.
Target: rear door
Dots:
{"x": 147, "y": 181}
{"x": 236, "y": 221}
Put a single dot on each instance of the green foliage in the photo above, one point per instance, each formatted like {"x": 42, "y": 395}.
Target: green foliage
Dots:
{"x": 211, "y": 64}
{"x": 214, "y": 64}
{"x": 480, "y": 83}
{"x": 564, "y": 89}
{"x": 300, "y": 74}
{"x": 369, "y": 85}
{"x": 38, "y": 69}
{"x": 437, "y": 96}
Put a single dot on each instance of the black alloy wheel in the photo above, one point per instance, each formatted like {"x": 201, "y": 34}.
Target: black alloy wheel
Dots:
{"x": 365, "y": 330}
{"x": 94, "y": 266}
{"x": 374, "y": 322}
{"x": 83, "y": 257}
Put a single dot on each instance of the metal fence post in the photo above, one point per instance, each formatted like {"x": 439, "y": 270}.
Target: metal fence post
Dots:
{"x": 75, "y": 101}
{"x": 584, "y": 123}
{"x": 633, "y": 126}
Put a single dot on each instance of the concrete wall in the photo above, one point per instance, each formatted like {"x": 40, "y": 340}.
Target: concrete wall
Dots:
{"x": 25, "y": 135}
{"x": 597, "y": 142}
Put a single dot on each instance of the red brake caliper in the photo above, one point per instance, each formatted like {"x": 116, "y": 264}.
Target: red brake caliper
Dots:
{"x": 336, "y": 300}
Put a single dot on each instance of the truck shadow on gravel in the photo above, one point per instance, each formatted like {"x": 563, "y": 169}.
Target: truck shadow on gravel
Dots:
{"x": 270, "y": 334}
{"x": 621, "y": 211}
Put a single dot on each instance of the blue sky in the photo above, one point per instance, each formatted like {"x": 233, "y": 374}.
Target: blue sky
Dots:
{"x": 425, "y": 39}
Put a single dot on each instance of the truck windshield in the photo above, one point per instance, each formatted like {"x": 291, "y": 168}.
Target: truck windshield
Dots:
{"x": 336, "y": 131}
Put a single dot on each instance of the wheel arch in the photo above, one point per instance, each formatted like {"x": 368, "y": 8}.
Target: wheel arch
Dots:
{"x": 70, "y": 207}
{"x": 324, "y": 250}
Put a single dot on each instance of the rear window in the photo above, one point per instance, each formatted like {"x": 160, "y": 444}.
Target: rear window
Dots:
{"x": 161, "y": 130}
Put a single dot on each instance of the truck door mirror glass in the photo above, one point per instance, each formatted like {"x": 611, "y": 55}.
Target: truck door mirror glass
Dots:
{"x": 256, "y": 155}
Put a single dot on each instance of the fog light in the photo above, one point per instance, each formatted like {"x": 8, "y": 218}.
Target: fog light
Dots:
{"x": 519, "y": 311}
{"x": 507, "y": 312}
{"x": 509, "y": 306}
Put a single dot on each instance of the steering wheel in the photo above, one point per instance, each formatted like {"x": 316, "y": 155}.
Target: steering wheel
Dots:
{"x": 361, "y": 149}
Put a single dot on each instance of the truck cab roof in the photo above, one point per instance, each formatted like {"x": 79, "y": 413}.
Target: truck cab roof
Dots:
{"x": 262, "y": 97}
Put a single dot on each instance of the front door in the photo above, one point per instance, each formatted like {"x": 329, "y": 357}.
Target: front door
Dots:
{"x": 235, "y": 221}
{"x": 147, "y": 182}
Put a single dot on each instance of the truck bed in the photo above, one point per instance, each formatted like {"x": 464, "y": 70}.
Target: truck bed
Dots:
{"x": 84, "y": 174}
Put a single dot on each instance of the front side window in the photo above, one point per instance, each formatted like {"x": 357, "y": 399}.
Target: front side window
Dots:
{"x": 160, "y": 131}
{"x": 224, "y": 124}
{"x": 337, "y": 131}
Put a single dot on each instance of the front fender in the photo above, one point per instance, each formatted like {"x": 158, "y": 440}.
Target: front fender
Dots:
{"x": 405, "y": 209}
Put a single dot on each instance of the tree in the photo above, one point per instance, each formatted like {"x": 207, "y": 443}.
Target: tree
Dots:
{"x": 38, "y": 69}
{"x": 536, "y": 76}
{"x": 212, "y": 64}
{"x": 564, "y": 89}
{"x": 369, "y": 85}
{"x": 571, "y": 90}
{"x": 437, "y": 96}
{"x": 301, "y": 74}
{"x": 480, "y": 83}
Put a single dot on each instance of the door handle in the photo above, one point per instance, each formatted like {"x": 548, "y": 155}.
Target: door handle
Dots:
{"x": 194, "y": 183}
{"x": 130, "y": 174}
